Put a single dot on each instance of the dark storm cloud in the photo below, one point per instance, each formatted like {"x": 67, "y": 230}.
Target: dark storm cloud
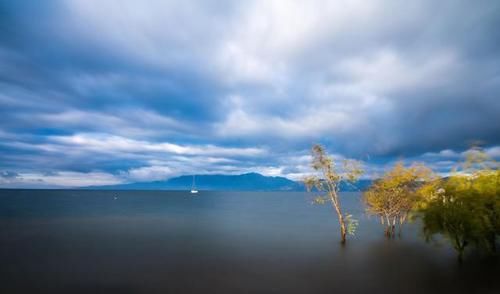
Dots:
{"x": 124, "y": 90}
{"x": 8, "y": 174}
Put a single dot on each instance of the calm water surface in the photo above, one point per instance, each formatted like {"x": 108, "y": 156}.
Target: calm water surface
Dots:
{"x": 55, "y": 241}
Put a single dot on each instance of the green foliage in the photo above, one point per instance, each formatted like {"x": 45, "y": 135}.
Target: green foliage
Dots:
{"x": 465, "y": 208}
{"x": 352, "y": 224}
{"x": 352, "y": 170}
{"x": 320, "y": 200}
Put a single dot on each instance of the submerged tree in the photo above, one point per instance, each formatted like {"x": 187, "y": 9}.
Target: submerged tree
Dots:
{"x": 465, "y": 207}
{"x": 329, "y": 180}
{"x": 396, "y": 194}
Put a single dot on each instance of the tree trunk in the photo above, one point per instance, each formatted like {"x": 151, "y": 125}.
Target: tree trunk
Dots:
{"x": 336, "y": 205}
{"x": 402, "y": 220}
{"x": 400, "y": 228}
{"x": 387, "y": 226}
{"x": 460, "y": 247}
{"x": 460, "y": 256}
{"x": 343, "y": 229}
{"x": 393, "y": 228}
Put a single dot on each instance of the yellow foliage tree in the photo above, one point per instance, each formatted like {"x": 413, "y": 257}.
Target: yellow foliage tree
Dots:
{"x": 396, "y": 194}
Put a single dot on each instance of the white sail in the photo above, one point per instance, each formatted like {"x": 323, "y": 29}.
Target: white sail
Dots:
{"x": 193, "y": 186}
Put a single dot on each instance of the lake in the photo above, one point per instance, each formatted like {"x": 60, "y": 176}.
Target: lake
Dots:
{"x": 72, "y": 241}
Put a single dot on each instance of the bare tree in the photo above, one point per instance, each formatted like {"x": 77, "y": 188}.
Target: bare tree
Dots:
{"x": 328, "y": 180}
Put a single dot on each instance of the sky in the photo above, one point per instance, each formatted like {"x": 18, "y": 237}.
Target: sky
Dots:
{"x": 101, "y": 92}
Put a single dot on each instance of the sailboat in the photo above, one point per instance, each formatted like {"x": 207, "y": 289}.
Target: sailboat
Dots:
{"x": 193, "y": 187}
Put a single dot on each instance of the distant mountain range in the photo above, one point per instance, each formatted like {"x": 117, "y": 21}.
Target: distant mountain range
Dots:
{"x": 243, "y": 182}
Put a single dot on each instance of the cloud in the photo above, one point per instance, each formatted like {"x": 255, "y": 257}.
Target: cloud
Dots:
{"x": 8, "y": 175}
{"x": 149, "y": 173}
{"x": 136, "y": 122}
{"x": 61, "y": 179}
{"x": 125, "y": 87}
{"x": 107, "y": 143}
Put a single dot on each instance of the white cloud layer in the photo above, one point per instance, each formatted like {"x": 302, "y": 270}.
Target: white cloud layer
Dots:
{"x": 104, "y": 143}
{"x": 126, "y": 90}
